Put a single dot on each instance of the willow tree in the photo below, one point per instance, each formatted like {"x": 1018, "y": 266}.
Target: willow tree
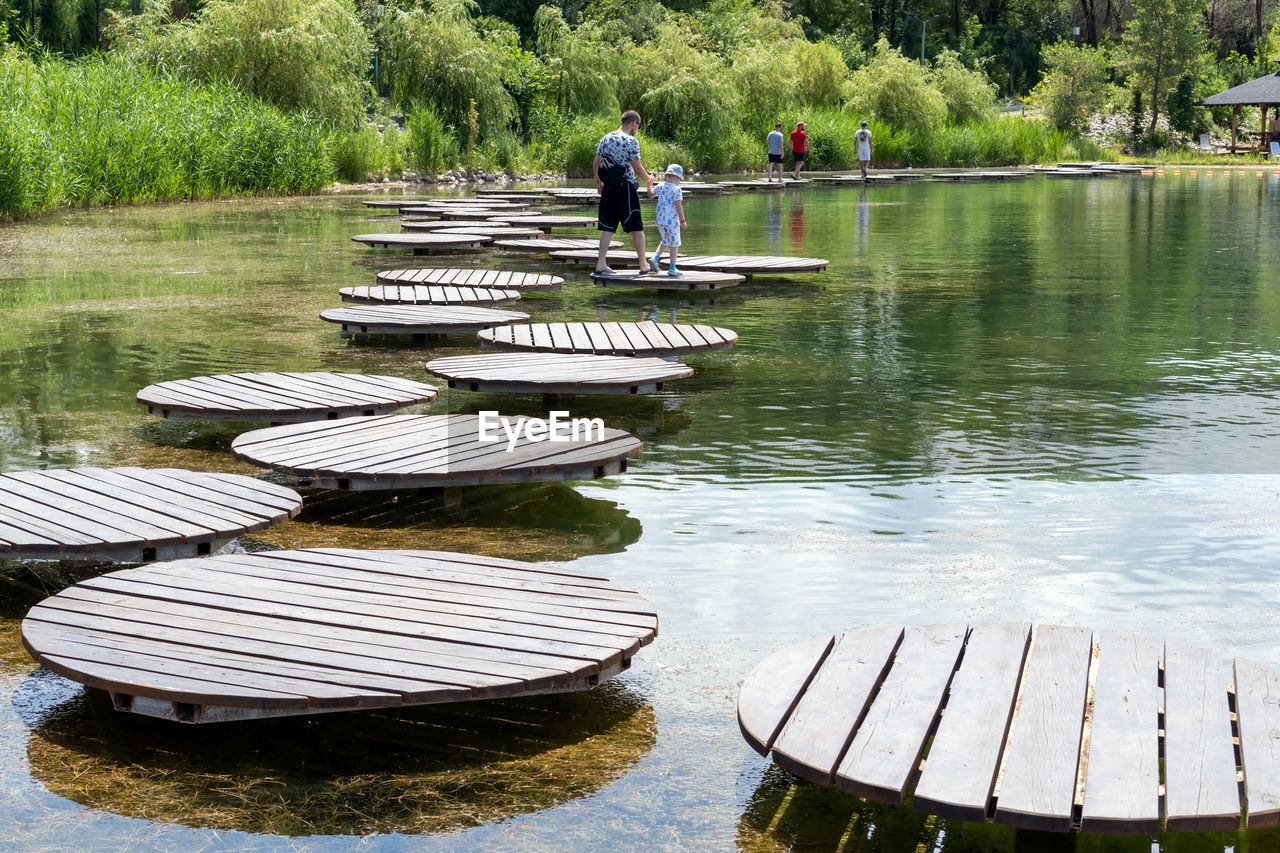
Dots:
{"x": 1162, "y": 42}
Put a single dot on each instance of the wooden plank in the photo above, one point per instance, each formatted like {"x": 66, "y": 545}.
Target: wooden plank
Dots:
{"x": 1038, "y": 787}
{"x": 964, "y": 758}
{"x": 885, "y": 752}
{"x": 1122, "y": 782}
{"x": 825, "y": 719}
{"x": 1201, "y": 793}
{"x": 1258, "y": 710}
{"x": 771, "y": 691}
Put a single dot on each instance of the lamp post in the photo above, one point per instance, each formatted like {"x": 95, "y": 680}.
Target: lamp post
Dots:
{"x": 924, "y": 22}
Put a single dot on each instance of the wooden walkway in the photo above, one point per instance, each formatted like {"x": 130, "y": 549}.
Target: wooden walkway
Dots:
{"x": 430, "y": 294}
{"x": 399, "y": 319}
{"x": 301, "y": 632}
{"x": 509, "y": 193}
{"x": 506, "y": 232}
{"x": 454, "y": 213}
{"x": 747, "y": 265}
{"x": 1052, "y": 728}
{"x": 423, "y": 244}
{"x": 691, "y": 280}
{"x": 628, "y": 339}
{"x": 502, "y": 279}
{"x": 282, "y": 397}
{"x": 554, "y": 244}
{"x": 450, "y": 201}
{"x": 760, "y": 185}
{"x": 132, "y": 515}
{"x": 421, "y": 451}
{"x": 557, "y": 373}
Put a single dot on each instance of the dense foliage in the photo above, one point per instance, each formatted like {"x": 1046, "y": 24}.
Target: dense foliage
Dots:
{"x": 107, "y": 129}
{"x": 505, "y": 85}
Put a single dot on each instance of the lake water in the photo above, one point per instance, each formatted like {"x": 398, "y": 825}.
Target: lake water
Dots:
{"x": 1043, "y": 401}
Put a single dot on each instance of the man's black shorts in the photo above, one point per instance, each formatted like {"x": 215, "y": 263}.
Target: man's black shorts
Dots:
{"x": 798, "y": 156}
{"x": 775, "y": 158}
{"x": 620, "y": 205}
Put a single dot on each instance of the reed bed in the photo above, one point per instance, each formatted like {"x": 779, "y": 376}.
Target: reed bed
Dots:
{"x": 105, "y": 130}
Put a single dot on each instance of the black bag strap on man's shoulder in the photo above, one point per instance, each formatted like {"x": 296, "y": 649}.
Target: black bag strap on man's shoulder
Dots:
{"x": 611, "y": 174}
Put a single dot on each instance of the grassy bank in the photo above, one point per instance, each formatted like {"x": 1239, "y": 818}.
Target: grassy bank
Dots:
{"x": 106, "y": 130}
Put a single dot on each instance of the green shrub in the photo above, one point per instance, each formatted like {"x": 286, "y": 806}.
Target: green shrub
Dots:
{"x": 582, "y": 69}
{"x": 439, "y": 57}
{"x": 309, "y": 55}
{"x": 767, "y": 89}
{"x": 968, "y": 94}
{"x": 355, "y": 153}
{"x": 820, "y": 72}
{"x": 432, "y": 145}
{"x": 106, "y": 129}
{"x": 1075, "y": 84}
{"x": 1180, "y": 106}
{"x": 895, "y": 90}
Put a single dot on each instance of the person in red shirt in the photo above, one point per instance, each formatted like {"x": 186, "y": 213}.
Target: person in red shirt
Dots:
{"x": 799, "y": 147}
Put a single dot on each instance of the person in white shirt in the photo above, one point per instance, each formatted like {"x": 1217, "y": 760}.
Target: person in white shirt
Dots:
{"x": 775, "y": 141}
{"x": 863, "y": 138}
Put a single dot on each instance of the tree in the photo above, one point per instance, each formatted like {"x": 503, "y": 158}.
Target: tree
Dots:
{"x": 1161, "y": 43}
{"x": 1074, "y": 86}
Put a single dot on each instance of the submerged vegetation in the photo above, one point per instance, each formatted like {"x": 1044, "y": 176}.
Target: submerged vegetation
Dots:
{"x": 223, "y": 96}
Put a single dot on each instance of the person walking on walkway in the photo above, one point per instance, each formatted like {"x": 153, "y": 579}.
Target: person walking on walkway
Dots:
{"x": 669, "y": 216}
{"x": 799, "y": 147}
{"x": 863, "y": 138}
{"x": 775, "y": 141}
{"x": 616, "y": 165}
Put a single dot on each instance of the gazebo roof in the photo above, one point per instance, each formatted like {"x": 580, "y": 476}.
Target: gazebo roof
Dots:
{"x": 1264, "y": 90}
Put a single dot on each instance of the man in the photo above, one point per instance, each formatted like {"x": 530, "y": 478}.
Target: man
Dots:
{"x": 799, "y": 146}
{"x": 774, "y": 141}
{"x": 615, "y": 167}
{"x": 863, "y": 138}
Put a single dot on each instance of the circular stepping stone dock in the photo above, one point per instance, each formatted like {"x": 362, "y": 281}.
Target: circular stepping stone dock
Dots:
{"x": 547, "y": 221}
{"x": 546, "y": 245}
{"x": 747, "y": 265}
{"x": 858, "y": 712}
{"x": 443, "y": 224}
{"x": 396, "y": 319}
{"x": 132, "y": 515}
{"x": 502, "y": 279}
{"x": 423, "y": 244}
{"x": 628, "y": 339}
{"x": 465, "y": 213}
{"x": 557, "y": 373}
{"x": 691, "y": 280}
{"x": 506, "y": 232}
{"x": 420, "y": 451}
{"x": 282, "y": 397}
{"x": 429, "y": 294}
{"x": 284, "y": 633}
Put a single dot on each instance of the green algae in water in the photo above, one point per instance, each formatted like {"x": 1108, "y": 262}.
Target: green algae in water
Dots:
{"x": 418, "y": 770}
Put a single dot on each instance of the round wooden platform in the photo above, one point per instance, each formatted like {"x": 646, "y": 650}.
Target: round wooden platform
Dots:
{"x": 557, "y": 373}
{"x": 423, "y": 243}
{"x": 132, "y": 515}
{"x": 439, "y": 201}
{"x": 282, "y": 397}
{"x": 430, "y": 294}
{"x": 629, "y": 339}
{"x": 468, "y": 213}
{"x": 556, "y": 244}
{"x": 838, "y": 179}
{"x": 509, "y": 193}
{"x": 1042, "y": 707}
{"x": 443, "y": 224}
{"x": 300, "y": 632}
{"x": 753, "y": 185}
{"x": 489, "y": 229}
{"x": 398, "y": 319}
{"x": 661, "y": 280}
{"x": 547, "y": 221}
{"x": 417, "y": 451}
{"x": 503, "y": 279}
{"x": 740, "y": 264}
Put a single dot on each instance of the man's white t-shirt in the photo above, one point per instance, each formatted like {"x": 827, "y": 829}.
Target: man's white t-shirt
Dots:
{"x": 775, "y": 143}
{"x": 863, "y": 136}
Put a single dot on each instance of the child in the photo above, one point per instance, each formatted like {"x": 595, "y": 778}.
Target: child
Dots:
{"x": 670, "y": 215}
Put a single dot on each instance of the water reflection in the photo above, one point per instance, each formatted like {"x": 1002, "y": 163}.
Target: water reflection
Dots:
{"x": 786, "y": 813}
{"x": 420, "y": 770}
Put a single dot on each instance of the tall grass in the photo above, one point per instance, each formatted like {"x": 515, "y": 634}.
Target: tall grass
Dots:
{"x": 105, "y": 130}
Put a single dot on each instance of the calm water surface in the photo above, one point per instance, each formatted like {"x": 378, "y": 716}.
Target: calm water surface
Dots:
{"x": 1047, "y": 401}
